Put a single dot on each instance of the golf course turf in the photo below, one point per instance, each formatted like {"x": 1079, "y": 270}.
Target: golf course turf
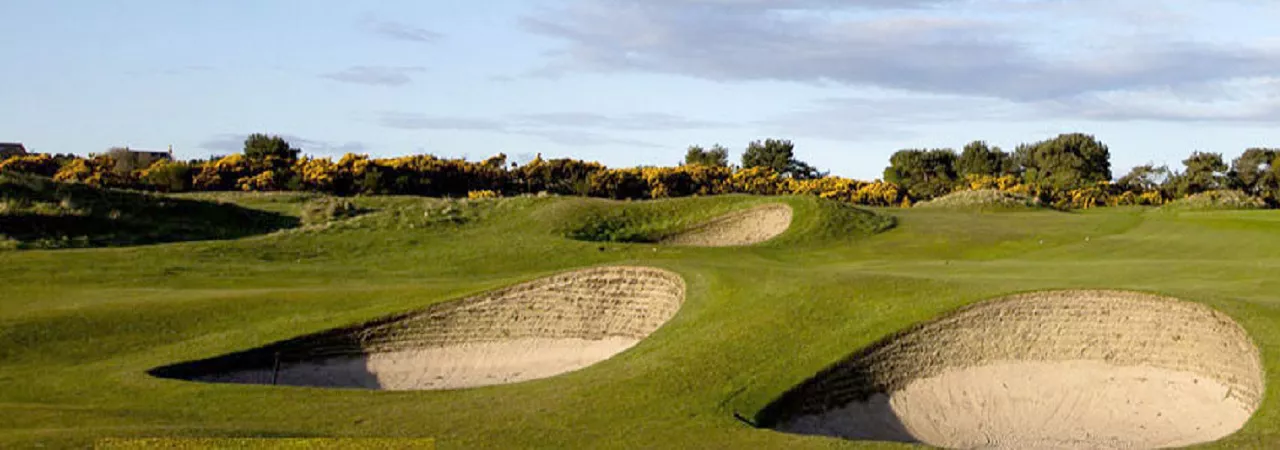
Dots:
{"x": 81, "y": 329}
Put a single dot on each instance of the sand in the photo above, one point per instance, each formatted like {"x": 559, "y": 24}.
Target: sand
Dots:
{"x": 748, "y": 227}
{"x": 1091, "y": 369}
{"x": 530, "y": 331}
{"x": 452, "y": 367}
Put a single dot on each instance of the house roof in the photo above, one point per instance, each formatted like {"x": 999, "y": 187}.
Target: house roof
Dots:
{"x": 156, "y": 153}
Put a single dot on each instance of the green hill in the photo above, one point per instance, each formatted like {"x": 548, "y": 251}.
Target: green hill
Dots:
{"x": 79, "y": 330}
{"x": 37, "y": 212}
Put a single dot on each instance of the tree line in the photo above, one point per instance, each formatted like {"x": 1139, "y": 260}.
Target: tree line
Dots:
{"x": 1069, "y": 171}
{"x": 1071, "y": 164}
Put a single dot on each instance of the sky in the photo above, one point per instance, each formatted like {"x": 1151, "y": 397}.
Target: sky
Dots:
{"x": 635, "y": 82}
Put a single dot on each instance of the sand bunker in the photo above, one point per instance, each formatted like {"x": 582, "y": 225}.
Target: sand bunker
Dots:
{"x": 748, "y": 227}
{"x": 530, "y": 331}
{"x": 1083, "y": 369}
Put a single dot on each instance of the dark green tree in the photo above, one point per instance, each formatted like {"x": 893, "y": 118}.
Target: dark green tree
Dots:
{"x": 1145, "y": 178}
{"x": 779, "y": 155}
{"x": 1204, "y": 172}
{"x": 775, "y": 154}
{"x": 925, "y": 174}
{"x": 1065, "y": 162}
{"x": 717, "y": 156}
{"x": 978, "y": 158}
{"x": 1257, "y": 172}
{"x": 260, "y": 147}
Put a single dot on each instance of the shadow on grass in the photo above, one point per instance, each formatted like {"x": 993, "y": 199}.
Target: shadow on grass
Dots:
{"x": 41, "y": 213}
{"x": 845, "y": 400}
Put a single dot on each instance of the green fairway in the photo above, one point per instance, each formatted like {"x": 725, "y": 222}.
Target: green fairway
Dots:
{"x": 80, "y": 328}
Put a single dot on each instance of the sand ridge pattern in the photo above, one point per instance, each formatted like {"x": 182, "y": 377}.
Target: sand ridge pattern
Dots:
{"x": 528, "y": 331}
{"x": 1070, "y": 369}
{"x": 747, "y": 227}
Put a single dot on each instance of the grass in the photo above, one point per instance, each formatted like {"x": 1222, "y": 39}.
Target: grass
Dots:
{"x": 37, "y": 212}
{"x": 79, "y": 328}
{"x": 1217, "y": 200}
{"x": 653, "y": 221}
{"x": 987, "y": 200}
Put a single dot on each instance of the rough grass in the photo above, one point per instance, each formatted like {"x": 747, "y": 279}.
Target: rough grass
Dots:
{"x": 1217, "y": 201}
{"x": 653, "y": 221}
{"x": 79, "y": 329}
{"x": 983, "y": 200}
{"x": 37, "y": 212}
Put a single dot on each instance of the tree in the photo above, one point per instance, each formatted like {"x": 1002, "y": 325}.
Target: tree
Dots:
{"x": 778, "y": 155}
{"x": 717, "y": 156}
{"x": 1065, "y": 162}
{"x": 1204, "y": 172}
{"x": 1145, "y": 178}
{"x": 775, "y": 154}
{"x": 259, "y": 147}
{"x": 924, "y": 174}
{"x": 980, "y": 159}
{"x": 1257, "y": 172}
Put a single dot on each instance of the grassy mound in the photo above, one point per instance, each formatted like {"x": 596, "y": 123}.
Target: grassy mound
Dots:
{"x": 747, "y": 227}
{"x": 660, "y": 220}
{"x": 37, "y": 212}
{"x": 1217, "y": 201}
{"x": 983, "y": 200}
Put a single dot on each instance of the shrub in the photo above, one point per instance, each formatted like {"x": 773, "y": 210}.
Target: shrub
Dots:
{"x": 618, "y": 184}
{"x": 1218, "y": 200}
{"x": 756, "y": 180}
{"x": 37, "y": 164}
{"x": 221, "y": 174}
{"x": 269, "y": 180}
{"x": 98, "y": 172}
{"x": 482, "y": 195}
{"x": 167, "y": 176}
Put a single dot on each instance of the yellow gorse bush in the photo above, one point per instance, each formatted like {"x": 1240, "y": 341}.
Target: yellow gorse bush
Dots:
{"x": 482, "y": 195}
{"x": 94, "y": 172}
{"x": 222, "y": 173}
{"x": 37, "y": 164}
{"x": 428, "y": 175}
{"x": 317, "y": 174}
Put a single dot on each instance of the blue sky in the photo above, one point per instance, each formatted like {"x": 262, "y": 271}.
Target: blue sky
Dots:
{"x": 636, "y": 82}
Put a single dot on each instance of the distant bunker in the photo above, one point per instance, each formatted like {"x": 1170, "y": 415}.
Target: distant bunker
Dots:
{"x": 1072, "y": 369}
{"x": 747, "y": 227}
{"x": 525, "y": 332}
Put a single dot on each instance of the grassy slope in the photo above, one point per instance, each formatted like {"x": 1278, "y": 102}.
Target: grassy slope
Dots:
{"x": 37, "y": 212}
{"x": 78, "y": 328}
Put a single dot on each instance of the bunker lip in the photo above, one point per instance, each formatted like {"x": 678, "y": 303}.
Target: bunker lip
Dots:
{"x": 528, "y": 331}
{"x": 746, "y": 227}
{"x": 1068, "y": 369}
